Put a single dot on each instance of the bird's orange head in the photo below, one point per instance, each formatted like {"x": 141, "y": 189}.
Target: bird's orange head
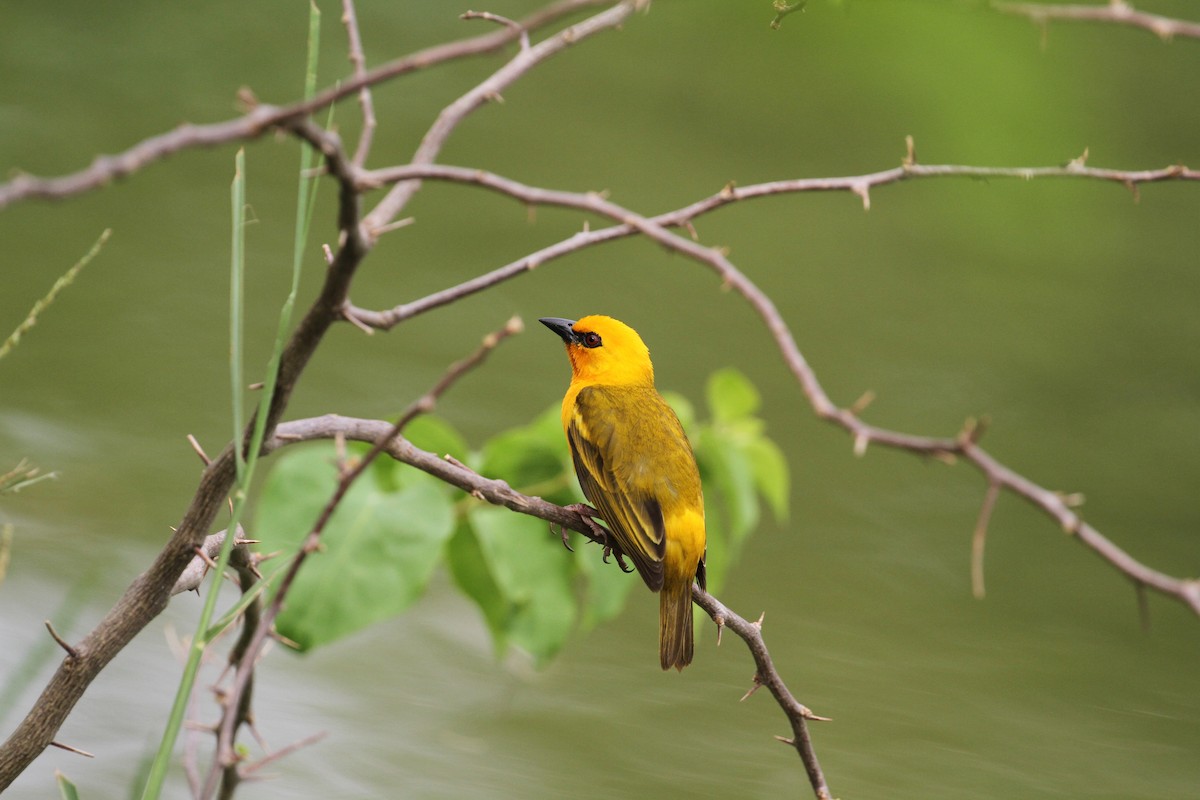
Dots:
{"x": 603, "y": 350}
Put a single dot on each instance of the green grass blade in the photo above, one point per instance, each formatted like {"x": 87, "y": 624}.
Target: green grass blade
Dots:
{"x": 237, "y": 283}
{"x": 162, "y": 758}
{"x": 66, "y": 789}
{"x": 245, "y": 461}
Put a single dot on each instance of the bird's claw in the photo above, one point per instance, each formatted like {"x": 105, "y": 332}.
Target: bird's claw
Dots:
{"x": 600, "y": 534}
{"x": 562, "y": 531}
{"x": 609, "y": 550}
{"x": 588, "y": 515}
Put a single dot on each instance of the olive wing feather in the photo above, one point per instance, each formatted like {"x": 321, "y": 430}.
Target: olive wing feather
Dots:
{"x": 631, "y": 453}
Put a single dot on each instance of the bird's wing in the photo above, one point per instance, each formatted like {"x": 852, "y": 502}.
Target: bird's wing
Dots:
{"x": 633, "y": 512}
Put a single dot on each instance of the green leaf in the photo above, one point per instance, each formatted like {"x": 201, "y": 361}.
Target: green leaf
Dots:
{"x": 378, "y": 550}
{"x": 771, "y": 474}
{"x": 724, "y": 467}
{"x": 731, "y": 395}
{"x": 607, "y": 586}
{"x": 533, "y": 459}
{"x": 65, "y": 787}
{"x": 470, "y": 571}
{"x": 533, "y": 571}
{"x": 718, "y": 557}
{"x": 683, "y": 409}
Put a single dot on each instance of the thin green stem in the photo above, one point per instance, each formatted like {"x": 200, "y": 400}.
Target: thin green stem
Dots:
{"x": 246, "y": 456}
{"x": 237, "y": 285}
{"x": 63, "y": 282}
{"x": 162, "y": 758}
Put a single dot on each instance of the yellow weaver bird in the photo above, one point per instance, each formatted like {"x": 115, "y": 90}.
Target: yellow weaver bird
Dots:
{"x": 635, "y": 465}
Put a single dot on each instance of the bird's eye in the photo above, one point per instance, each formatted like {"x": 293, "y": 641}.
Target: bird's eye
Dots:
{"x": 591, "y": 339}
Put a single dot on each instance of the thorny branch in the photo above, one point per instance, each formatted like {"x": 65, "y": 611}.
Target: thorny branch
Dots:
{"x": 107, "y": 168}
{"x": 148, "y": 594}
{"x": 256, "y": 632}
{"x": 498, "y": 492}
{"x": 962, "y": 446}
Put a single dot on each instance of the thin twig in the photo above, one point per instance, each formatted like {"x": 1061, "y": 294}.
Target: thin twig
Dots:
{"x": 359, "y": 62}
{"x": 286, "y": 750}
{"x": 797, "y": 713}
{"x": 783, "y": 8}
{"x": 107, "y": 168}
{"x": 683, "y": 217}
{"x": 490, "y": 17}
{"x": 452, "y": 115}
{"x": 1115, "y": 11}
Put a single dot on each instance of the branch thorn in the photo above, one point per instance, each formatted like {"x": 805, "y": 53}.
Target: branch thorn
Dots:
{"x": 1072, "y": 499}
{"x": 70, "y": 749}
{"x": 753, "y": 688}
{"x": 71, "y": 651}
{"x": 199, "y": 450}
{"x": 863, "y": 190}
{"x": 864, "y": 400}
{"x": 395, "y": 225}
{"x": 979, "y": 540}
{"x": 203, "y": 556}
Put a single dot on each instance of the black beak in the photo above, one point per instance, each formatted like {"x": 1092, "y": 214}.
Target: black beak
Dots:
{"x": 563, "y": 327}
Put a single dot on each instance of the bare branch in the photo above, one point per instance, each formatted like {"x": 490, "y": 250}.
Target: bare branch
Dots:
{"x": 358, "y": 61}
{"x": 282, "y": 752}
{"x": 682, "y": 217}
{"x": 490, "y": 17}
{"x": 452, "y": 115}
{"x": 148, "y": 594}
{"x": 193, "y": 575}
{"x": 797, "y": 713}
{"x": 1115, "y": 11}
{"x": 1186, "y": 591}
{"x": 107, "y": 168}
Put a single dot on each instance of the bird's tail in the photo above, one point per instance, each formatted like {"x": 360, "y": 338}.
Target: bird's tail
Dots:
{"x": 675, "y": 623}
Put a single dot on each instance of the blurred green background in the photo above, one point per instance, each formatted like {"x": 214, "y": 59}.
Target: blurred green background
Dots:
{"x": 1064, "y": 310}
